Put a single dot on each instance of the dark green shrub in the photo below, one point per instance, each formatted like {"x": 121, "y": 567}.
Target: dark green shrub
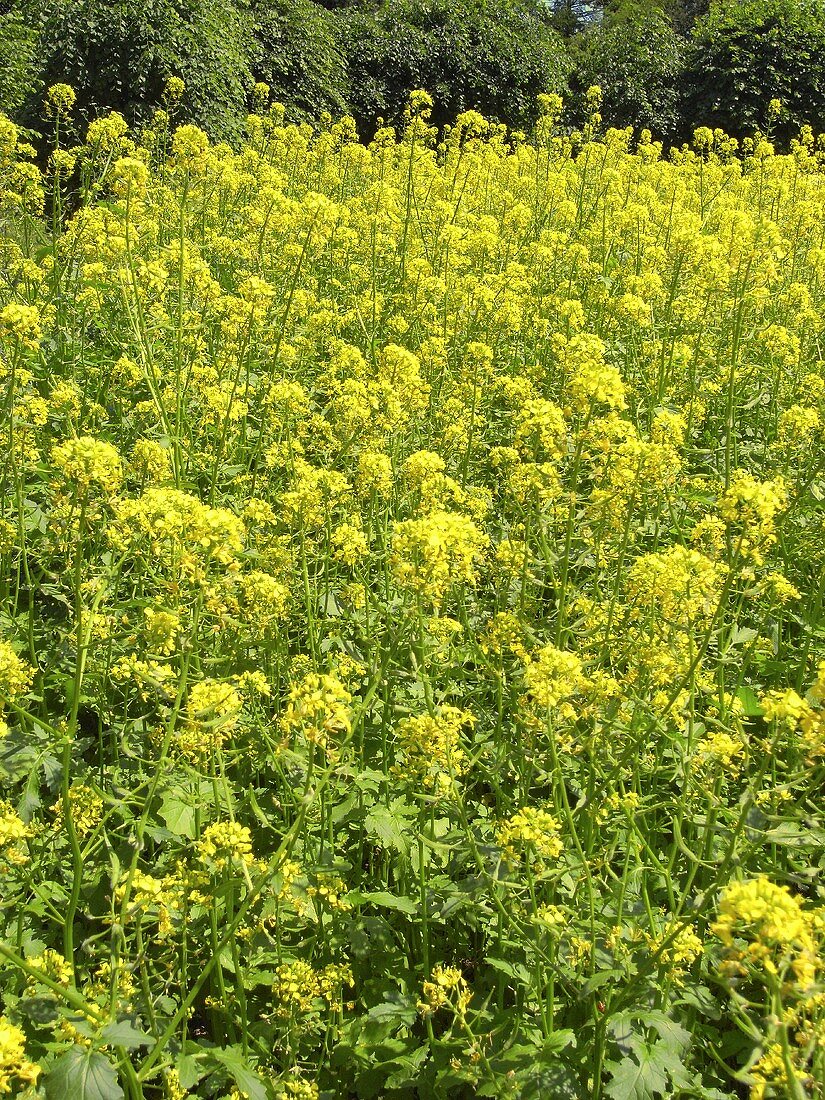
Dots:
{"x": 493, "y": 56}
{"x": 747, "y": 52}
{"x": 119, "y": 55}
{"x": 18, "y": 61}
{"x": 638, "y": 62}
{"x": 297, "y": 54}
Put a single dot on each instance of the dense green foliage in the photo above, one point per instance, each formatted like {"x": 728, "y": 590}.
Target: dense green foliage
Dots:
{"x": 18, "y": 43}
{"x": 119, "y": 55}
{"x": 494, "y": 57}
{"x": 667, "y": 65}
{"x": 297, "y": 54}
{"x": 743, "y": 54}
{"x": 637, "y": 61}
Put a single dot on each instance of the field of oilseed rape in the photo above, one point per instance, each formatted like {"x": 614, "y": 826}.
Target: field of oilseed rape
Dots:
{"x": 412, "y": 658}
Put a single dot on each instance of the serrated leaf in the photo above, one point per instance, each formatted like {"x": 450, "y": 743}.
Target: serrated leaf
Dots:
{"x": 82, "y": 1074}
{"x": 123, "y": 1033}
{"x": 177, "y": 815}
{"x": 189, "y": 1071}
{"x": 389, "y": 828}
{"x": 232, "y": 1060}
{"x": 632, "y": 1080}
{"x": 384, "y": 899}
{"x": 394, "y": 1008}
{"x": 669, "y": 1030}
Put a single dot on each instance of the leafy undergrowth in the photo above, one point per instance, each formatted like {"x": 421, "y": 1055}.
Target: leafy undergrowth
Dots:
{"x": 410, "y": 628}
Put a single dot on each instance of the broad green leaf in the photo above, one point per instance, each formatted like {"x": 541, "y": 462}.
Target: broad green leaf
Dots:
{"x": 82, "y": 1074}
{"x": 397, "y": 1008}
{"x": 123, "y": 1033}
{"x": 177, "y": 815}
{"x": 384, "y": 899}
{"x": 189, "y": 1071}
{"x": 389, "y": 828}
{"x": 648, "y": 1076}
{"x": 750, "y": 702}
{"x": 246, "y": 1079}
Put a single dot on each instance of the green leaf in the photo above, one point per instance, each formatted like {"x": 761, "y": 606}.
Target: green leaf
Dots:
{"x": 384, "y": 899}
{"x": 750, "y": 702}
{"x": 177, "y": 815}
{"x": 394, "y": 1007}
{"x": 389, "y": 828}
{"x": 514, "y": 970}
{"x": 189, "y": 1072}
{"x": 232, "y": 1060}
{"x": 123, "y": 1033}
{"x": 648, "y": 1076}
{"x": 642, "y": 1080}
{"x": 82, "y": 1074}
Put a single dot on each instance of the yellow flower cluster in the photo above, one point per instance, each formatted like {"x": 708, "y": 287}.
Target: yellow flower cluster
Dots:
{"x": 15, "y": 675}
{"x": 212, "y": 712}
{"x": 677, "y": 585}
{"x": 318, "y": 707}
{"x": 176, "y": 529}
{"x": 428, "y": 749}
{"x": 225, "y": 844}
{"x": 13, "y": 833}
{"x": 298, "y": 986}
{"x": 765, "y": 929}
{"x": 15, "y": 1069}
{"x": 751, "y": 507}
{"x": 88, "y": 462}
{"x": 21, "y": 323}
{"x": 431, "y": 554}
{"x": 531, "y": 832}
{"x": 86, "y": 808}
{"x": 553, "y": 678}
{"x": 446, "y": 987}
{"x": 678, "y": 946}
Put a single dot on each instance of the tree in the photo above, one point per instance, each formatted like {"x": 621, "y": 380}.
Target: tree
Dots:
{"x": 492, "y": 56}
{"x": 745, "y": 53}
{"x": 637, "y": 59}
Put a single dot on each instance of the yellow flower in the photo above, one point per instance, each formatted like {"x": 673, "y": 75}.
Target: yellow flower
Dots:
{"x": 13, "y": 833}
{"x": 374, "y": 473}
{"x": 173, "y": 90}
{"x": 349, "y": 544}
{"x": 15, "y": 675}
{"x": 431, "y": 554}
{"x": 53, "y": 965}
{"x": 678, "y": 947}
{"x": 678, "y": 586}
{"x": 211, "y": 714}
{"x": 15, "y": 1069}
{"x": 296, "y": 986}
{"x": 318, "y": 706}
{"x": 86, "y": 807}
{"x": 532, "y": 832}
{"x": 107, "y": 134}
{"x": 87, "y": 462}
{"x": 445, "y": 987}
{"x": 429, "y": 751}
{"x": 554, "y": 677}
{"x": 22, "y": 323}
{"x": 61, "y": 97}
{"x": 161, "y": 630}
{"x": 776, "y": 931}
{"x": 225, "y": 844}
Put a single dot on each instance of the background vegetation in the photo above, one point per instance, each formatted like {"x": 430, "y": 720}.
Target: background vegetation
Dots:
{"x": 412, "y": 568}
{"x": 667, "y": 65}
